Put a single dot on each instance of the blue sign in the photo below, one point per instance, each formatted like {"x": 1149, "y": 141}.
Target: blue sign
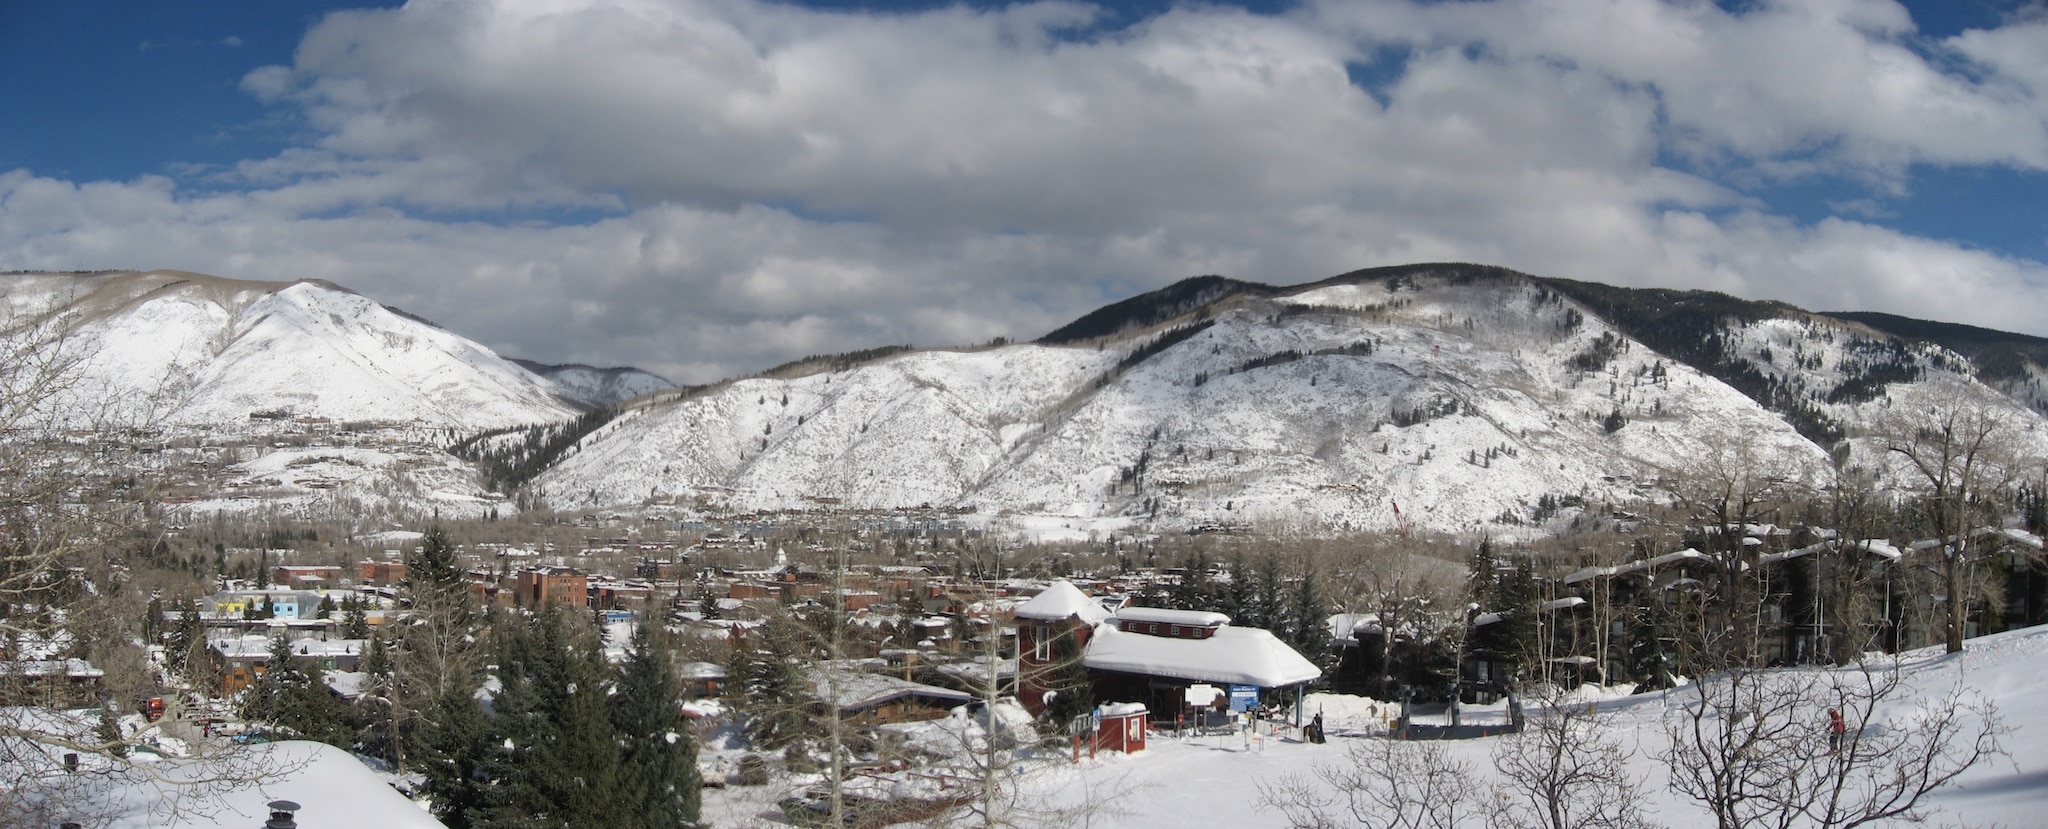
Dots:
{"x": 1243, "y": 697}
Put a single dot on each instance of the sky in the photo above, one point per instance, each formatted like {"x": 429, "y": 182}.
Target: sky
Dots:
{"x": 705, "y": 188}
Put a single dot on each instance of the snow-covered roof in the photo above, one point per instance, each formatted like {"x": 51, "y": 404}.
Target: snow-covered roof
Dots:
{"x": 330, "y": 647}
{"x": 346, "y": 684}
{"x": 975, "y": 672}
{"x": 254, "y": 646}
{"x": 702, "y": 670}
{"x": 1169, "y": 616}
{"x": 1687, "y": 554}
{"x": 1562, "y": 604}
{"x": 1802, "y": 552}
{"x": 1233, "y": 655}
{"x": 333, "y": 790}
{"x": 852, "y": 691}
{"x": 73, "y": 667}
{"x": 1061, "y": 601}
{"x": 2016, "y": 536}
{"x": 1347, "y": 625}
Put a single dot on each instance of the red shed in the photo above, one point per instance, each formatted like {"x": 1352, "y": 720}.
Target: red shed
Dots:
{"x": 1120, "y": 726}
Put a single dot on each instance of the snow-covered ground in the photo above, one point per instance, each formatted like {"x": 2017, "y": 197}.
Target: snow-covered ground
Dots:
{"x": 1214, "y": 780}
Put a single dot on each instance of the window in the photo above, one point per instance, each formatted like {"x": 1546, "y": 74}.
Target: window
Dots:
{"x": 1041, "y": 642}
{"x": 1175, "y": 631}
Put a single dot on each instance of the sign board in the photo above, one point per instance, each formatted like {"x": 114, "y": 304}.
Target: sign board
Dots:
{"x": 1243, "y": 697}
{"x": 1202, "y": 696}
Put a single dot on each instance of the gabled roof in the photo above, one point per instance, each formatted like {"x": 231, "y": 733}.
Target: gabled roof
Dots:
{"x": 1233, "y": 655}
{"x": 1063, "y": 601}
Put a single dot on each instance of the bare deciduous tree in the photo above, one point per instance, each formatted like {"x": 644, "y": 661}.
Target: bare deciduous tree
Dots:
{"x": 1754, "y": 747}
{"x": 1564, "y": 771}
{"x": 1966, "y": 456}
{"x": 1382, "y": 784}
{"x": 1733, "y": 483}
{"x": 74, "y": 490}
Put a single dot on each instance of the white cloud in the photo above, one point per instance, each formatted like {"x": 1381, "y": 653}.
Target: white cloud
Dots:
{"x": 779, "y": 181}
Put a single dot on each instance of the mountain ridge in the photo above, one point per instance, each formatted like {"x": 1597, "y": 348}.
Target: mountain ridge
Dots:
{"x": 1490, "y": 366}
{"x": 1455, "y": 398}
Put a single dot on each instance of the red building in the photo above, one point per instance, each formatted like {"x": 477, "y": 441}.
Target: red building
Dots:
{"x": 1059, "y": 611}
{"x": 380, "y": 573}
{"x": 545, "y": 585}
{"x": 305, "y": 578}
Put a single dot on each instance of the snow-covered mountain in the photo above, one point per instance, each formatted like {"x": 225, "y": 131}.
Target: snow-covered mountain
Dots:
{"x": 189, "y": 350}
{"x": 1453, "y": 398}
{"x": 597, "y": 387}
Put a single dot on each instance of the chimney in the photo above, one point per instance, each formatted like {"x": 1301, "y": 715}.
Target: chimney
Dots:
{"x": 281, "y": 815}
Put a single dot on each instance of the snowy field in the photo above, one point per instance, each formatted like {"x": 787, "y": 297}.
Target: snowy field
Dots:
{"x": 1215, "y": 780}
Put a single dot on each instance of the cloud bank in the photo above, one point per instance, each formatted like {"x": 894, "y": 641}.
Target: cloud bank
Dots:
{"x": 707, "y": 187}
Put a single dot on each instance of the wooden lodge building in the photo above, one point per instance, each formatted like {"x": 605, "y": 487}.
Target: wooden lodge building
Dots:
{"x": 1150, "y": 655}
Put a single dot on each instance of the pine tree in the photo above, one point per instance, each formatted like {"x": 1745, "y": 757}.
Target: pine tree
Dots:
{"x": 584, "y": 744}
{"x": 659, "y": 787}
{"x": 291, "y": 696}
{"x": 153, "y": 620}
{"x": 558, "y": 762}
{"x": 1518, "y": 599}
{"x": 375, "y": 714}
{"x": 1480, "y": 584}
{"x": 355, "y": 622}
{"x": 457, "y": 748}
{"x": 1270, "y": 599}
{"x": 1236, "y": 598}
{"x": 1650, "y": 624}
{"x": 109, "y": 732}
{"x": 776, "y": 690}
{"x": 178, "y": 640}
{"x": 707, "y": 599}
{"x": 434, "y": 652}
{"x": 1072, "y": 692}
{"x": 1308, "y": 617}
{"x": 1195, "y": 591}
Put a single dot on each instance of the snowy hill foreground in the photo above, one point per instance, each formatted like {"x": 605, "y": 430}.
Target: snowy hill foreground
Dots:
{"x": 179, "y": 349}
{"x": 1459, "y": 399}
{"x": 1215, "y": 780}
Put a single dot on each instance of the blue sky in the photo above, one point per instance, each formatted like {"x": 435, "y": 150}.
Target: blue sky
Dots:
{"x": 706, "y": 187}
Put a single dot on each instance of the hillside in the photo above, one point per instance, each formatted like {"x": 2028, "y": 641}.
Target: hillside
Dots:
{"x": 1477, "y": 399}
{"x": 1461, "y": 399}
{"x": 188, "y": 350}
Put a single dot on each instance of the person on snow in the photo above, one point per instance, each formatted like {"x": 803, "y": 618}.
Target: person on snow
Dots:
{"x": 1836, "y": 728}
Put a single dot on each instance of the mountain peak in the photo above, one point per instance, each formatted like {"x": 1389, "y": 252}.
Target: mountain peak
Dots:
{"x": 1149, "y": 309}
{"x": 196, "y": 349}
